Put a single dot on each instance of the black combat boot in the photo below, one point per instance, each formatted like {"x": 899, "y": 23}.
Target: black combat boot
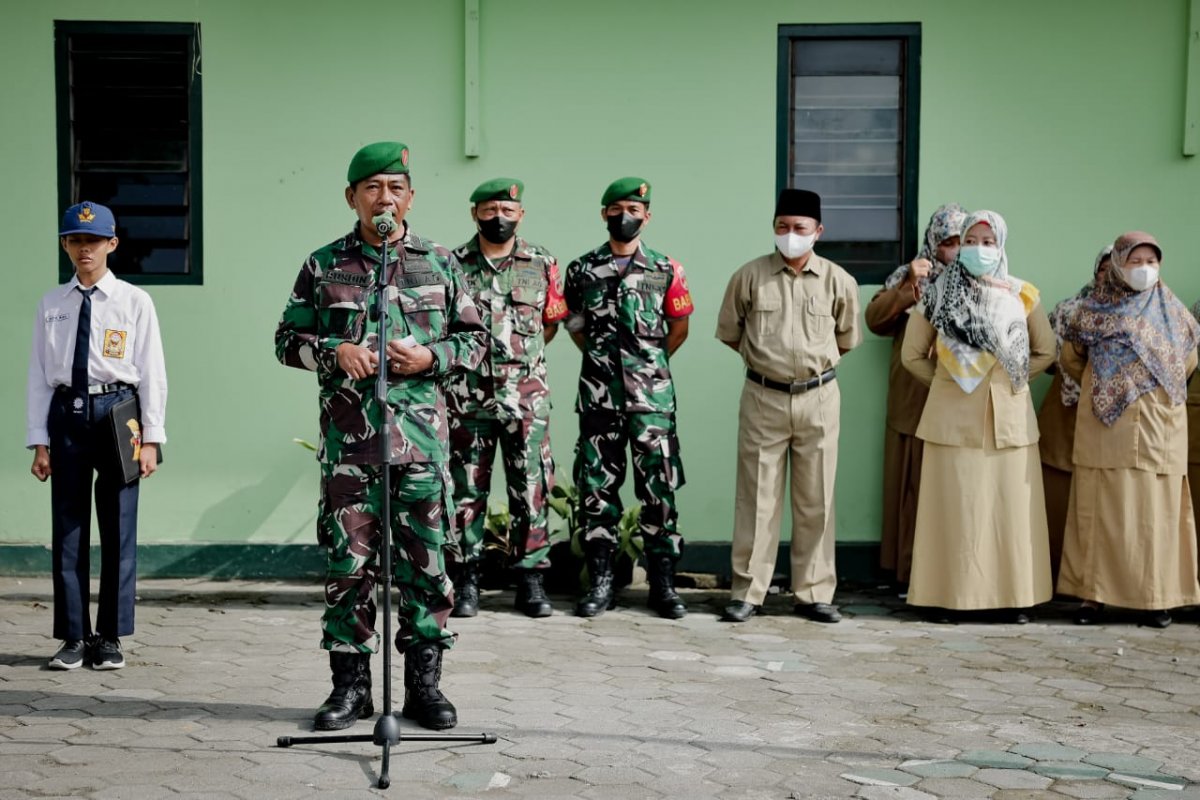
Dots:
{"x": 466, "y": 590}
{"x": 531, "y": 597}
{"x": 350, "y": 699}
{"x": 663, "y": 598}
{"x": 423, "y": 700}
{"x": 601, "y": 595}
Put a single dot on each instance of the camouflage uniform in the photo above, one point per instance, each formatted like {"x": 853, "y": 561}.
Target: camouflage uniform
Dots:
{"x": 506, "y": 401}
{"x": 625, "y": 391}
{"x": 331, "y": 304}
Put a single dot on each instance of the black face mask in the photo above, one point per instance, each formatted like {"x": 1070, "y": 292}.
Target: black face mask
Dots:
{"x": 497, "y": 230}
{"x": 623, "y": 227}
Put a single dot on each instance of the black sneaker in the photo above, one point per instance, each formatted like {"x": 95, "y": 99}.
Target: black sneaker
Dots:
{"x": 106, "y": 654}
{"x": 70, "y": 655}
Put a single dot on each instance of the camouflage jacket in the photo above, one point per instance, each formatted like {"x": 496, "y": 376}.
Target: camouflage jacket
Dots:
{"x": 516, "y": 298}
{"x": 624, "y": 313}
{"x": 332, "y": 303}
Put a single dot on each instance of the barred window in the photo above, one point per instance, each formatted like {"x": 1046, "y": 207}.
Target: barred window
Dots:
{"x": 848, "y": 126}
{"x": 129, "y": 138}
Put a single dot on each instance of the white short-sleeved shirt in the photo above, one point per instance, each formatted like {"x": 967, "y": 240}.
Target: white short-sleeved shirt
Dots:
{"x": 124, "y": 347}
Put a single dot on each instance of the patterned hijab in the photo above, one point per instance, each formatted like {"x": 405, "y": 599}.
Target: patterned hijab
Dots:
{"x": 1137, "y": 341}
{"x": 981, "y": 320}
{"x": 946, "y": 222}
{"x": 1059, "y": 316}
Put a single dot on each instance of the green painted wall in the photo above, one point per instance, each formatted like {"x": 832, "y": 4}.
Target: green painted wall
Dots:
{"x": 1066, "y": 117}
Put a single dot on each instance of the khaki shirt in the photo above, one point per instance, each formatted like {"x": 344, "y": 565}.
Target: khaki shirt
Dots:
{"x": 957, "y": 419}
{"x": 906, "y": 395}
{"x": 790, "y": 327}
{"x": 1150, "y": 435}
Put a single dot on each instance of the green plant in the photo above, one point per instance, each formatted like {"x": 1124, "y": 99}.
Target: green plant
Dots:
{"x": 497, "y": 532}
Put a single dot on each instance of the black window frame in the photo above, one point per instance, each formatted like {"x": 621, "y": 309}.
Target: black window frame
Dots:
{"x": 848, "y": 253}
{"x": 63, "y": 31}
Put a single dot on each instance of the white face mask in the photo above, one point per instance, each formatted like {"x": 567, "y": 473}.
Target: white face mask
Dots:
{"x": 1140, "y": 278}
{"x": 793, "y": 245}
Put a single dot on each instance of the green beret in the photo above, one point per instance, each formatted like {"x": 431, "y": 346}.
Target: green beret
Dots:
{"x": 626, "y": 189}
{"x": 498, "y": 189}
{"x": 389, "y": 157}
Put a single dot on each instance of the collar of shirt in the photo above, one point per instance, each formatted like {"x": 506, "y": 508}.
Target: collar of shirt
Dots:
{"x": 520, "y": 252}
{"x": 636, "y": 259}
{"x": 412, "y": 243}
{"x": 815, "y": 264}
{"x": 105, "y": 284}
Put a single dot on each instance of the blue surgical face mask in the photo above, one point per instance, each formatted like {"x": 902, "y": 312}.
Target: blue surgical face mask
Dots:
{"x": 979, "y": 260}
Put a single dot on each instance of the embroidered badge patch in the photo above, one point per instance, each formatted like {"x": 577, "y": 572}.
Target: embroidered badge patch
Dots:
{"x": 135, "y": 438}
{"x": 86, "y": 214}
{"x": 114, "y": 343}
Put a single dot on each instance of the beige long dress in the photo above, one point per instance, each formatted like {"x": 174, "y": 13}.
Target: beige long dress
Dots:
{"x": 902, "y": 449}
{"x": 1056, "y": 426}
{"x": 981, "y": 538}
{"x": 1131, "y": 532}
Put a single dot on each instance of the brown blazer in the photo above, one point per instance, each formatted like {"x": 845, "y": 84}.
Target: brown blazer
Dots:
{"x": 953, "y": 417}
{"x": 1193, "y": 419}
{"x": 1151, "y": 435}
{"x": 1056, "y": 424}
{"x": 906, "y": 395}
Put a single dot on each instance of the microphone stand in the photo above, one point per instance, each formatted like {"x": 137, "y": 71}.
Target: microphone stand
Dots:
{"x": 387, "y": 728}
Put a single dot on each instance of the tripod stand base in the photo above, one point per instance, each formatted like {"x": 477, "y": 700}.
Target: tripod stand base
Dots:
{"x": 478, "y": 738}
{"x": 387, "y": 734}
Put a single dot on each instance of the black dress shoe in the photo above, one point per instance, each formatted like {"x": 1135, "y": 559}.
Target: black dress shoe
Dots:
{"x": 739, "y": 611}
{"x": 1156, "y": 619}
{"x": 818, "y": 612}
{"x": 938, "y": 615}
{"x": 1088, "y": 614}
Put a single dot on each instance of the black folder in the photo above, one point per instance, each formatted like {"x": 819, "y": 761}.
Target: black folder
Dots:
{"x": 125, "y": 418}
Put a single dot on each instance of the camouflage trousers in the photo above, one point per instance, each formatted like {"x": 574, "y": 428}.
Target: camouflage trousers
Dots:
{"x": 657, "y": 473}
{"x": 529, "y": 475}
{"x": 349, "y": 522}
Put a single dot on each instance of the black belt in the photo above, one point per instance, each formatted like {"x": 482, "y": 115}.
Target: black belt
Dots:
{"x": 100, "y": 388}
{"x": 799, "y": 387}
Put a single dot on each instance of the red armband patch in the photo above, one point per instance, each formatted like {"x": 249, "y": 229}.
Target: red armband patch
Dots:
{"x": 556, "y": 304}
{"x": 678, "y": 302}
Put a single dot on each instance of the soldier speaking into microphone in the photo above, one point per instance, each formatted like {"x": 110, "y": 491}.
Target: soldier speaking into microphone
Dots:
{"x": 434, "y": 329}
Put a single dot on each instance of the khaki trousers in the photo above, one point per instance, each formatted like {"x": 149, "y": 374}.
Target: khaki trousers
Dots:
{"x": 776, "y": 429}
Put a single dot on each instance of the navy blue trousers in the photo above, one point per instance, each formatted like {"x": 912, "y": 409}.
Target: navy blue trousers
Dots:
{"x": 81, "y": 450}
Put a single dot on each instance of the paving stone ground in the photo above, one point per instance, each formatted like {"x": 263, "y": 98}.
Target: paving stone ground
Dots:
{"x": 626, "y": 705}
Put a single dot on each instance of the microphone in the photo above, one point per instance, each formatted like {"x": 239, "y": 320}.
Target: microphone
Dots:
{"x": 385, "y": 224}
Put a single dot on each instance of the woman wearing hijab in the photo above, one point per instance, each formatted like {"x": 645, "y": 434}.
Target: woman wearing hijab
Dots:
{"x": 981, "y": 540}
{"x": 1131, "y": 536}
{"x": 887, "y": 315}
{"x": 1056, "y": 421}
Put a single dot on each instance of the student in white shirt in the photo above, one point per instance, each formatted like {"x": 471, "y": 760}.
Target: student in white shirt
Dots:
{"x": 95, "y": 343}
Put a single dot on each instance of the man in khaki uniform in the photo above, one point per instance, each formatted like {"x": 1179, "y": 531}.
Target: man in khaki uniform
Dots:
{"x": 791, "y": 315}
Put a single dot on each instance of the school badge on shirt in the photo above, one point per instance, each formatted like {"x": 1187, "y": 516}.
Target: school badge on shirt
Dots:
{"x": 114, "y": 343}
